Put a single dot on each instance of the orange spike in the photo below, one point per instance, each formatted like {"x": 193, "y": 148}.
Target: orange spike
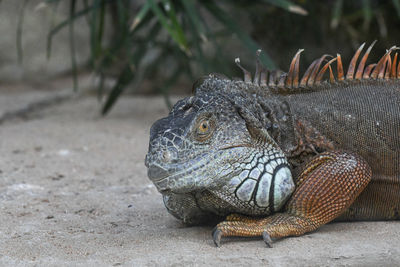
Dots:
{"x": 340, "y": 68}
{"x": 393, "y": 67}
{"x": 388, "y": 67}
{"x": 398, "y": 71}
{"x": 297, "y": 71}
{"x": 368, "y": 70}
{"x": 292, "y": 72}
{"x": 331, "y": 76}
{"x": 314, "y": 73}
{"x": 360, "y": 68}
{"x": 246, "y": 73}
{"x": 263, "y": 78}
{"x": 306, "y": 75}
{"x": 380, "y": 66}
{"x": 323, "y": 70}
{"x": 353, "y": 62}
{"x": 381, "y": 71}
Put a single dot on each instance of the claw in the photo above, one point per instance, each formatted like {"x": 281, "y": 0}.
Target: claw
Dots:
{"x": 267, "y": 239}
{"x": 217, "y": 234}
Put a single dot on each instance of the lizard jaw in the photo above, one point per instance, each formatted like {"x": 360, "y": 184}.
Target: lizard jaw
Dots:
{"x": 245, "y": 177}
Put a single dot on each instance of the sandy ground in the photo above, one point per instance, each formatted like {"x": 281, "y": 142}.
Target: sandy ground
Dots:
{"x": 74, "y": 192}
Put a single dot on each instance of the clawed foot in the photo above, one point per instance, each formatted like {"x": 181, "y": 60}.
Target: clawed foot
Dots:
{"x": 239, "y": 225}
{"x": 270, "y": 228}
{"x": 217, "y": 235}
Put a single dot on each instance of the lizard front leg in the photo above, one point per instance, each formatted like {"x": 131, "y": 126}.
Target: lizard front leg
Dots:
{"x": 326, "y": 187}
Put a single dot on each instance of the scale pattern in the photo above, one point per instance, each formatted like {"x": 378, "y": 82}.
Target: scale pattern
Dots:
{"x": 244, "y": 146}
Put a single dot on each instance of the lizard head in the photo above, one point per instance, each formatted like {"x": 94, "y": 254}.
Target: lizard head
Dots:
{"x": 217, "y": 141}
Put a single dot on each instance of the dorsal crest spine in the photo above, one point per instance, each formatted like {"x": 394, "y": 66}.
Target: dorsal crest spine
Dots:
{"x": 384, "y": 69}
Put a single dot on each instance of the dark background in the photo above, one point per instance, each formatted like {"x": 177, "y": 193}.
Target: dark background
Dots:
{"x": 162, "y": 47}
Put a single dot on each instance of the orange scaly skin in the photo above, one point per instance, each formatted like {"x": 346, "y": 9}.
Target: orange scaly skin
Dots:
{"x": 327, "y": 186}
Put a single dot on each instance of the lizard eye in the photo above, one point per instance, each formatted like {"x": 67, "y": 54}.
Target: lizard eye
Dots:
{"x": 204, "y": 129}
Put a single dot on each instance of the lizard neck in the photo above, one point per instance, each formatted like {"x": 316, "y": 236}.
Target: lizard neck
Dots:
{"x": 295, "y": 135}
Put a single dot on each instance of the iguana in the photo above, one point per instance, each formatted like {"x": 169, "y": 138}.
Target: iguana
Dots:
{"x": 281, "y": 155}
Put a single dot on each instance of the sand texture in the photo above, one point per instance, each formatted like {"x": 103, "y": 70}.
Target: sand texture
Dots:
{"x": 74, "y": 192}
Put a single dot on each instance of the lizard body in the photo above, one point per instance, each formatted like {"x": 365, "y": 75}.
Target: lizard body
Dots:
{"x": 284, "y": 155}
{"x": 362, "y": 117}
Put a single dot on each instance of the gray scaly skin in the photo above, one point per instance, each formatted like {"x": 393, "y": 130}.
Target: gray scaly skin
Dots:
{"x": 242, "y": 146}
{"x": 199, "y": 179}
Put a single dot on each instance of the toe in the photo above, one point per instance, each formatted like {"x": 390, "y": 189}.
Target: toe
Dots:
{"x": 267, "y": 239}
{"x": 217, "y": 234}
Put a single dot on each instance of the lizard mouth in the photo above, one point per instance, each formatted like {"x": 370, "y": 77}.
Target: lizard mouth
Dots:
{"x": 157, "y": 173}
{"x": 191, "y": 173}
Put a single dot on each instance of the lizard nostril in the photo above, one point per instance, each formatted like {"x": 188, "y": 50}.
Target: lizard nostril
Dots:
{"x": 166, "y": 156}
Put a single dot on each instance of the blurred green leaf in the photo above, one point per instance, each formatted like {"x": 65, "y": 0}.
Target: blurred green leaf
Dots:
{"x": 139, "y": 17}
{"x": 123, "y": 15}
{"x": 61, "y": 25}
{"x": 72, "y": 45}
{"x": 65, "y": 23}
{"x": 174, "y": 30}
{"x": 289, "y": 6}
{"x": 124, "y": 79}
{"x": 336, "y": 13}
{"x": 195, "y": 18}
{"x": 19, "y": 31}
{"x": 229, "y": 23}
{"x": 396, "y": 4}
{"x": 86, "y": 5}
{"x": 53, "y": 15}
{"x": 198, "y": 33}
{"x": 127, "y": 75}
{"x": 199, "y": 56}
{"x": 169, "y": 8}
{"x": 367, "y": 13}
{"x": 97, "y": 28}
